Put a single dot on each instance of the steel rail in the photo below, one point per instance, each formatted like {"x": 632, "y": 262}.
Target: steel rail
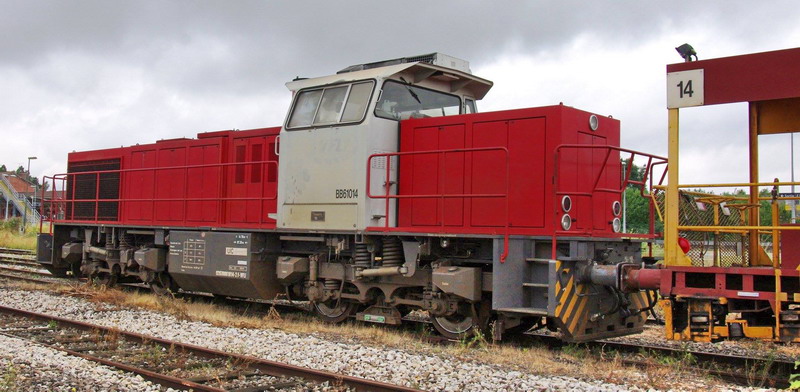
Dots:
{"x": 14, "y": 251}
{"x": 776, "y": 371}
{"x": 24, "y": 278}
{"x": 271, "y": 368}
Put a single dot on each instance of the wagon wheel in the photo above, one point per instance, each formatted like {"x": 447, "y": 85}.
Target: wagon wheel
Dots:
{"x": 331, "y": 312}
{"x": 104, "y": 279}
{"x": 163, "y": 284}
{"x": 470, "y": 320}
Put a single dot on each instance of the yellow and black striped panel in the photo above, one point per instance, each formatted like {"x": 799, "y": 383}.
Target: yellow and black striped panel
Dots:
{"x": 576, "y": 302}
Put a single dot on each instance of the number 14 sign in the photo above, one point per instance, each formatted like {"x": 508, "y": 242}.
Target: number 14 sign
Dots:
{"x": 685, "y": 89}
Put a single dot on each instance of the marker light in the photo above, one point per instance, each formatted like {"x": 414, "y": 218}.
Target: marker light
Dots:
{"x": 616, "y": 208}
{"x": 593, "y": 122}
{"x": 566, "y": 222}
{"x": 566, "y": 203}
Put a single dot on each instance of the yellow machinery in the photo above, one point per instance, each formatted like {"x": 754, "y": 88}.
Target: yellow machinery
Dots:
{"x": 728, "y": 273}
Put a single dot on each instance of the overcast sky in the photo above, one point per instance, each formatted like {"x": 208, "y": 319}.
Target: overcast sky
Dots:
{"x": 80, "y": 75}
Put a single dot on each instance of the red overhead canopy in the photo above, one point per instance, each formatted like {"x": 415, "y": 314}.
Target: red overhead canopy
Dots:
{"x": 748, "y": 78}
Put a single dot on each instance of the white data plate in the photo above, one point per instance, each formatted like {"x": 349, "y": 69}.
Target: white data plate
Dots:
{"x": 685, "y": 89}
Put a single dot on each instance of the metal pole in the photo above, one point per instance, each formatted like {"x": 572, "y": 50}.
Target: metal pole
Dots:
{"x": 624, "y": 200}
{"x": 794, "y": 202}
{"x": 25, "y": 198}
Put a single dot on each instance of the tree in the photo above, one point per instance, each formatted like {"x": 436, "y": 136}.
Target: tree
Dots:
{"x": 3, "y": 168}
{"x": 637, "y": 207}
{"x": 637, "y": 212}
{"x": 20, "y": 170}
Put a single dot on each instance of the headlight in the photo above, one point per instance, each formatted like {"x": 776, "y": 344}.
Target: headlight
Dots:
{"x": 594, "y": 122}
{"x": 566, "y": 203}
{"x": 617, "y": 225}
{"x": 616, "y": 208}
{"x": 566, "y": 222}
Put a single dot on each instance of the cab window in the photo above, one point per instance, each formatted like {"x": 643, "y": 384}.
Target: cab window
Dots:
{"x": 400, "y": 101}
{"x": 331, "y": 105}
{"x": 469, "y": 106}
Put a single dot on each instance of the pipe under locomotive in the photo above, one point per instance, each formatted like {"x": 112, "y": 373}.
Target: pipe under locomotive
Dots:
{"x": 383, "y": 192}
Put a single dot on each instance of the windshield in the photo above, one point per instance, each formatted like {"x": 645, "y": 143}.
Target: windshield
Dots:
{"x": 333, "y": 105}
{"x": 401, "y": 101}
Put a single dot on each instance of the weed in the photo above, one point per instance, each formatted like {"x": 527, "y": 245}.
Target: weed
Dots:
{"x": 575, "y": 350}
{"x": 794, "y": 379}
{"x": 758, "y": 374}
{"x": 52, "y": 324}
{"x": 8, "y": 381}
{"x": 475, "y": 340}
{"x": 154, "y": 354}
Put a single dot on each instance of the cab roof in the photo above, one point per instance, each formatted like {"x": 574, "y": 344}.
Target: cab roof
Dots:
{"x": 458, "y": 81}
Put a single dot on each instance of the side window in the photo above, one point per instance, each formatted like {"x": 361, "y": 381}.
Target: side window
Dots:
{"x": 304, "y": 108}
{"x": 469, "y": 106}
{"x": 400, "y": 101}
{"x": 357, "y": 102}
{"x": 331, "y": 105}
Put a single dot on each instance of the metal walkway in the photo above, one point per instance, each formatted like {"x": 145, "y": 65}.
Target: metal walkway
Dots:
{"x": 20, "y": 202}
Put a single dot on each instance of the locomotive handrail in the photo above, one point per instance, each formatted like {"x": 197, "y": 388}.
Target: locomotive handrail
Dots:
{"x": 647, "y": 179}
{"x": 441, "y": 196}
{"x": 67, "y": 177}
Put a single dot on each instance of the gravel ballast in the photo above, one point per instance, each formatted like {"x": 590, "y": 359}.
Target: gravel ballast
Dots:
{"x": 419, "y": 370}
{"x": 28, "y": 366}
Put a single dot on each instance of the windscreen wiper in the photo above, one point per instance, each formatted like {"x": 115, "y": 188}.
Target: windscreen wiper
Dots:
{"x": 410, "y": 91}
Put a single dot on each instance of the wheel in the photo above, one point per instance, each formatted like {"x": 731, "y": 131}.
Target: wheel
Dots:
{"x": 75, "y": 268}
{"x": 331, "y": 313}
{"x": 455, "y": 326}
{"x": 163, "y": 284}
{"x": 104, "y": 279}
{"x": 57, "y": 272}
{"x": 470, "y": 320}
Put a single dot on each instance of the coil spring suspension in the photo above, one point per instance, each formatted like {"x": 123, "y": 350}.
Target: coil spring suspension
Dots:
{"x": 361, "y": 258}
{"x": 332, "y": 284}
{"x": 392, "y": 252}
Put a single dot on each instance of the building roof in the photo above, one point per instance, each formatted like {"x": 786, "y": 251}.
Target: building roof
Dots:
{"x": 20, "y": 185}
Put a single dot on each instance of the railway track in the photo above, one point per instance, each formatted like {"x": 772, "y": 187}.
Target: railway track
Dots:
{"x": 168, "y": 362}
{"x": 736, "y": 369}
{"x": 732, "y": 368}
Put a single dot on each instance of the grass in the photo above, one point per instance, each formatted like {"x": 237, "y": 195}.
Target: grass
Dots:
{"x": 10, "y": 236}
{"x": 8, "y": 380}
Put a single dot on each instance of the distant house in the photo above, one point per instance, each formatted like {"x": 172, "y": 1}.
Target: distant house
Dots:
{"x": 24, "y": 189}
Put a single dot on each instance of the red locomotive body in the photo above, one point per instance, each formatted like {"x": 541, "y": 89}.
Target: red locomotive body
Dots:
{"x": 392, "y": 194}
{"x": 526, "y": 148}
{"x": 220, "y": 179}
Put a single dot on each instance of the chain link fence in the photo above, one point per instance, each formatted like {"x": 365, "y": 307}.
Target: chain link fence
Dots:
{"x": 728, "y": 247}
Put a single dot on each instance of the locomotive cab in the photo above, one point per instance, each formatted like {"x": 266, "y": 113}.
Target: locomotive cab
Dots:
{"x": 336, "y": 122}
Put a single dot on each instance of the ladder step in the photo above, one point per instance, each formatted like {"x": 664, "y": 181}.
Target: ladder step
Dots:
{"x": 537, "y": 260}
{"x": 537, "y": 285}
{"x": 534, "y": 311}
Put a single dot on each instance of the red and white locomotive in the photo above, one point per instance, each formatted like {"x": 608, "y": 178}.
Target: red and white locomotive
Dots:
{"x": 384, "y": 191}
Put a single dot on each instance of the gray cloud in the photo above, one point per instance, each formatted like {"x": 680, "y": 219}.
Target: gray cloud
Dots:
{"x": 97, "y": 74}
